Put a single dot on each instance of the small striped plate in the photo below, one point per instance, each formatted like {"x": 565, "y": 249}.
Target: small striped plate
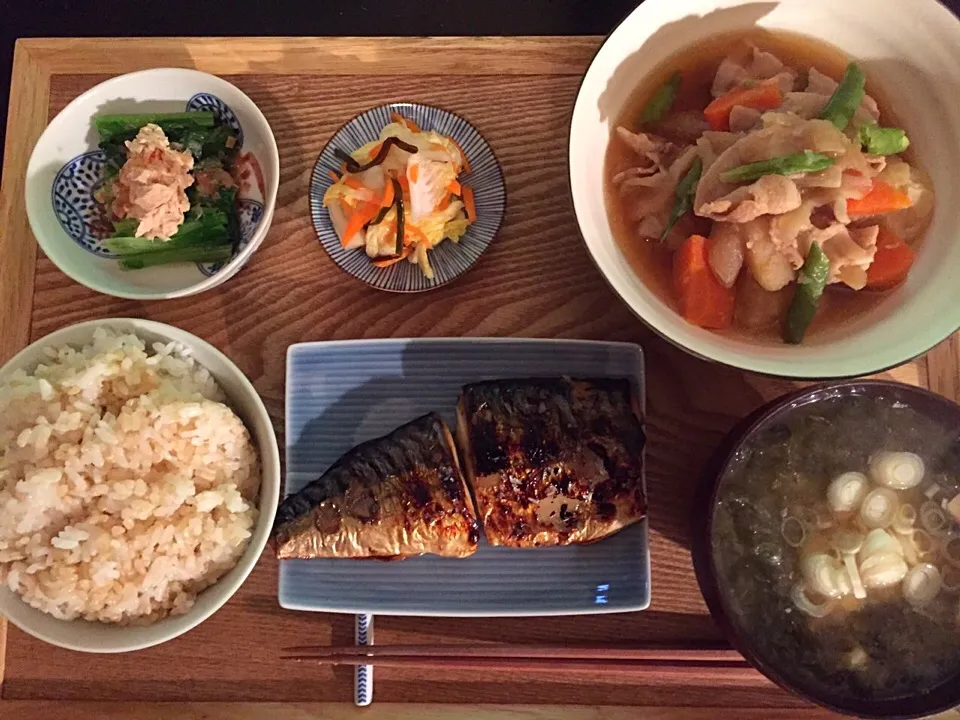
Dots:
{"x": 449, "y": 260}
{"x": 342, "y": 393}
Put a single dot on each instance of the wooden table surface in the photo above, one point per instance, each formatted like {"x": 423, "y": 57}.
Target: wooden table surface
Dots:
{"x": 536, "y": 280}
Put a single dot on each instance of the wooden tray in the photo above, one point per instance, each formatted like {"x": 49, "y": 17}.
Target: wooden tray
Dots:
{"x": 535, "y": 280}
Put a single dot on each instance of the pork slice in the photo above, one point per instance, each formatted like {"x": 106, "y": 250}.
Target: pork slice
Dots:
{"x": 743, "y": 119}
{"x": 770, "y": 195}
{"x": 850, "y": 252}
{"x": 766, "y": 263}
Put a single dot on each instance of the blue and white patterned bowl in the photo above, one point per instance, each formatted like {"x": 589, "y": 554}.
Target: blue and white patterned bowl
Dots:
{"x": 67, "y": 168}
{"x": 449, "y": 259}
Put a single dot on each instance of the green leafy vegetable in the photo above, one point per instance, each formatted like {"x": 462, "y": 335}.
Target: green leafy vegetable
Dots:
{"x": 201, "y": 253}
{"x": 846, "y": 98}
{"x": 805, "y": 162}
{"x": 662, "y": 100}
{"x": 811, "y": 280}
{"x": 883, "y": 141}
{"x": 196, "y": 132}
{"x": 686, "y": 189}
{"x": 109, "y": 126}
{"x": 211, "y": 228}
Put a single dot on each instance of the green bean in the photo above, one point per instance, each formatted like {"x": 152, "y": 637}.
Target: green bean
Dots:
{"x": 805, "y": 162}
{"x": 686, "y": 189}
{"x": 811, "y": 280}
{"x": 883, "y": 141}
{"x": 846, "y": 98}
{"x": 661, "y": 102}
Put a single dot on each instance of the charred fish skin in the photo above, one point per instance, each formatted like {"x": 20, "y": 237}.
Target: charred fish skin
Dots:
{"x": 553, "y": 461}
{"x": 398, "y": 495}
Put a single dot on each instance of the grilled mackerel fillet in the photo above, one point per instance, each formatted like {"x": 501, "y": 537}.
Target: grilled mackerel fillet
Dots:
{"x": 396, "y": 496}
{"x": 552, "y": 461}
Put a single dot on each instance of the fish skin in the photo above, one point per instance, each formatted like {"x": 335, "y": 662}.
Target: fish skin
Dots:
{"x": 391, "y": 497}
{"x": 553, "y": 461}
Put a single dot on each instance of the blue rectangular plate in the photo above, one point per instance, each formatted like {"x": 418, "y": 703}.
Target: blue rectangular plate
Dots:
{"x": 342, "y": 393}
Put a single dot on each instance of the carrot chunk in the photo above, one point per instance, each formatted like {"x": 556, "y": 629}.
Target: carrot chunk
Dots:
{"x": 892, "y": 262}
{"x": 765, "y": 96}
{"x": 702, "y": 299}
{"x": 882, "y": 198}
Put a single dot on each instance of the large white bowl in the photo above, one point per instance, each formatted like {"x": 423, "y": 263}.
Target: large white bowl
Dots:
{"x": 64, "y": 168}
{"x": 98, "y": 637}
{"x": 909, "y": 49}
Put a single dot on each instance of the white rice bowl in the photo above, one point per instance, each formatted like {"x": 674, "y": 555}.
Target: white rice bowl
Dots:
{"x": 128, "y": 485}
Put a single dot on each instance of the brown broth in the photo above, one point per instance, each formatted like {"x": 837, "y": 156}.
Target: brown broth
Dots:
{"x": 652, "y": 262}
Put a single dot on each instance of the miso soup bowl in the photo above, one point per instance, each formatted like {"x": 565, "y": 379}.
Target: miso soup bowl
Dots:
{"x": 908, "y": 51}
{"x": 735, "y": 449}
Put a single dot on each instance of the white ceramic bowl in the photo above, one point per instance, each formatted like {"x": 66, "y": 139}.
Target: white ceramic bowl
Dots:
{"x": 65, "y": 168}
{"x": 909, "y": 50}
{"x": 97, "y": 637}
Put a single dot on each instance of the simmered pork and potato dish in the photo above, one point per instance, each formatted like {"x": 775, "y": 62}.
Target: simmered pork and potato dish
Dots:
{"x": 757, "y": 185}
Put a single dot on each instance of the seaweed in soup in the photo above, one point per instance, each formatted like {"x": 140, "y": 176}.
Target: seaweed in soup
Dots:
{"x": 876, "y": 649}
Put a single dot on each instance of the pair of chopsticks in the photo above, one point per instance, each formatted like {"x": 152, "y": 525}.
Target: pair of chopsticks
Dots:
{"x": 722, "y": 664}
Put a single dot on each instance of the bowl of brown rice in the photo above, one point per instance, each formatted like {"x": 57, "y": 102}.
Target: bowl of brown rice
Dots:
{"x": 139, "y": 479}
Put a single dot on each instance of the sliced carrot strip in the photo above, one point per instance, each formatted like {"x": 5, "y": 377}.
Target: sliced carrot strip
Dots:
{"x": 333, "y": 176}
{"x": 413, "y": 173}
{"x": 882, "y": 198}
{"x": 466, "y": 162}
{"x": 389, "y": 195}
{"x": 419, "y": 237}
{"x": 891, "y": 264}
{"x": 374, "y": 151}
{"x": 410, "y": 124}
{"x": 469, "y": 203}
{"x": 358, "y": 220}
{"x": 444, "y": 203}
{"x": 702, "y": 299}
{"x": 387, "y": 262}
{"x": 351, "y": 181}
{"x": 454, "y": 188}
{"x": 765, "y": 96}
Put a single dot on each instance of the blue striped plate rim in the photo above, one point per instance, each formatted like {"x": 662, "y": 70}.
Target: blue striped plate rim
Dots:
{"x": 449, "y": 260}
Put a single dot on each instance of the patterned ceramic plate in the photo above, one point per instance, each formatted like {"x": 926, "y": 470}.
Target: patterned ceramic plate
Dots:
{"x": 449, "y": 260}
{"x": 67, "y": 168}
{"x": 342, "y": 393}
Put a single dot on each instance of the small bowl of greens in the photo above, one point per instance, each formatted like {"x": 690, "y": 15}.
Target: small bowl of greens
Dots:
{"x": 154, "y": 185}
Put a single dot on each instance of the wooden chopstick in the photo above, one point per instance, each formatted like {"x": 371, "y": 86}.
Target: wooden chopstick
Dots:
{"x": 342, "y": 654}
{"x": 718, "y": 673}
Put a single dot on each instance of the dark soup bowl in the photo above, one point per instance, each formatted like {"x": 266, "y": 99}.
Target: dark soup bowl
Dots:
{"x": 827, "y": 546}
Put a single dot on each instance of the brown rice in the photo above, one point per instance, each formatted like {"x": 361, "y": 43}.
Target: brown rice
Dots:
{"x": 127, "y": 486}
